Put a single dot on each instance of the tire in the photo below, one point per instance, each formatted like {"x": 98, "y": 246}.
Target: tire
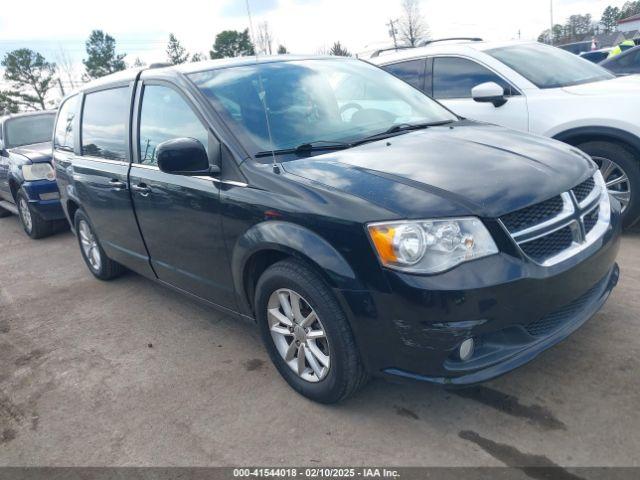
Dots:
{"x": 32, "y": 223}
{"x": 101, "y": 266}
{"x": 345, "y": 373}
{"x": 615, "y": 161}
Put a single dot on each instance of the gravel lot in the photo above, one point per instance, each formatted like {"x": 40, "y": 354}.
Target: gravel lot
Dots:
{"x": 130, "y": 373}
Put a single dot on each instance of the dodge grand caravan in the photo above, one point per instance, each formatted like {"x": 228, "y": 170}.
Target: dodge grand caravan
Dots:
{"x": 364, "y": 227}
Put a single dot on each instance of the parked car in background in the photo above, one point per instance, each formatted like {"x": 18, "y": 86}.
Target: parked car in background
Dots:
{"x": 539, "y": 89}
{"x": 577, "y": 47}
{"x": 596, "y": 56}
{"x": 366, "y": 228}
{"x": 27, "y": 179}
{"x": 627, "y": 63}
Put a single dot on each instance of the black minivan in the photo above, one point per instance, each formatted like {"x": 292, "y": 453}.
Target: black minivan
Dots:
{"x": 365, "y": 228}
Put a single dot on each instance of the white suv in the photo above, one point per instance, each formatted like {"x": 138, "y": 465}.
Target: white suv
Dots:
{"x": 538, "y": 89}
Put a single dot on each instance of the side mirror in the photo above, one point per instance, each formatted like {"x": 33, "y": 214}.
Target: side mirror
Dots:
{"x": 489, "y": 92}
{"x": 184, "y": 156}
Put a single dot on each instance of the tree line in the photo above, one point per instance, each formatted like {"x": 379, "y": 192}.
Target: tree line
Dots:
{"x": 577, "y": 27}
{"x": 31, "y": 77}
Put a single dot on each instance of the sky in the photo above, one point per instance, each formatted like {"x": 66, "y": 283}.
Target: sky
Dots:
{"x": 141, "y": 28}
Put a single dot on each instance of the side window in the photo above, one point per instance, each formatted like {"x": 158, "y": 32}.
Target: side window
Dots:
{"x": 166, "y": 115}
{"x": 104, "y": 123}
{"x": 455, "y": 77}
{"x": 411, "y": 71}
{"x": 64, "y": 135}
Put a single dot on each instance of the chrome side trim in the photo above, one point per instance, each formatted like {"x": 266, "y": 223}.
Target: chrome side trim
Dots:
{"x": 199, "y": 177}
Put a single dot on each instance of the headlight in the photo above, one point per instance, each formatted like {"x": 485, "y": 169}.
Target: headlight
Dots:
{"x": 430, "y": 246}
{"x": 38, "y": 171}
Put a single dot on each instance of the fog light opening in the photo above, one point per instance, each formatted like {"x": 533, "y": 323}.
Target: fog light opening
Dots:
{"x": 465, "y": 352}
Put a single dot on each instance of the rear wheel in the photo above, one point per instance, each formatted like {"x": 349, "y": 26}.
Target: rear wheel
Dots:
{"x": 620, "y": 169}
{"x": 101, "y": 266}
{"x": 32, "y": 223}
{"x": 307, "y": 334}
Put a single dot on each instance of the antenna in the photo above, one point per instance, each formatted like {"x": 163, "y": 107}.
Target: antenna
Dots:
{"x": 276, "y": 168}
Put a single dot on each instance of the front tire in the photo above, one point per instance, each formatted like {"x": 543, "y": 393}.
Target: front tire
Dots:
{"x": 307, "y": 334}
{"x": 101, "y": 266}
{"x": 32, "y": 223}
{"x": 621, "y": 171}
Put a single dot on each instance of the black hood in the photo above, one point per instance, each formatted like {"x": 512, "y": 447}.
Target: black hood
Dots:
{"x": 470, "y": 169}
{"x": 36, "y": 153}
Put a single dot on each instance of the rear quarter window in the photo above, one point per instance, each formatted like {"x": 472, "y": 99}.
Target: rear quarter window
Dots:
{"x": 104, "y": 122}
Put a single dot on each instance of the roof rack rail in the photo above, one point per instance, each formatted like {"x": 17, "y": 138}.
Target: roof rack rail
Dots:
{"x": 428, "y": 42}
{"x": 399, "y": 47}
{"x": 160, "y": 65}
{"x": 424, "y": 43}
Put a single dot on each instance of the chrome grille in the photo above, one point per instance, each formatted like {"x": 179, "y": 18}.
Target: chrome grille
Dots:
{"x": 544, "y": 247}
{"x": 558, "y": 228}
{"x": 533, "y": 215}
{"x": 583, "y": 190}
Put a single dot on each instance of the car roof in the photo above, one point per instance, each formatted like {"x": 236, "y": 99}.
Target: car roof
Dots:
{"x": 192, "y": 67}
{"x": 448, "y": 47}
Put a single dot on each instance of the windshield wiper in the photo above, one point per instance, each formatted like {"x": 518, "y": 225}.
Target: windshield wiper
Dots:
{"x": 399, "y": 128}
{"x": 314, "y": 146}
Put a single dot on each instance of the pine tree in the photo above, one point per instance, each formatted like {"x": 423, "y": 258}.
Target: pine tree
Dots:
{"x": 102, "y": 57}
{"x": 31, "y": 78}
{"x": 176, "y": 53}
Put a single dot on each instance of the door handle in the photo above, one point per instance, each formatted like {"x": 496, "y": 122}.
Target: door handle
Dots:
{"x": 142, "y": 189}
{"x": 117, "y": 185}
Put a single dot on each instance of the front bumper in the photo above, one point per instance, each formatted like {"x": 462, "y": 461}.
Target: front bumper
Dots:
{"x": 44, "y": 199}
{"x": 512, "y": 308}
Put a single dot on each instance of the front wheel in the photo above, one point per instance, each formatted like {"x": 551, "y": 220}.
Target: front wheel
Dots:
{"x": 33, "y": 225}
{"x": 307, "y": 334}
{"x": 620, "y": 169}
{"x": 101, "y": 266}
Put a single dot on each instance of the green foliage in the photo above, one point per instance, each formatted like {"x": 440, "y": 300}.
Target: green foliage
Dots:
{"x": 176, "y": 53}
{"x": 629, "y": 9}
{"x": 8, "y": 103}
{"x": 609, "y": 19}
{"x": 102, "y": 57}
{"x": 31, "y": 77}
{"x": 338, "y": 50}
{"x": 231, "y": 43}
{"x": 198, "y": 57}
{"x": 282, "y": 50}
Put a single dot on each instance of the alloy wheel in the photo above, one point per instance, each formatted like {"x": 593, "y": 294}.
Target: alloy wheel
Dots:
{"x": 298, "y": 335}
{"x": 89, "y": 245}
{"x": 25, "y": 214}
{"x": 616, "y": 180}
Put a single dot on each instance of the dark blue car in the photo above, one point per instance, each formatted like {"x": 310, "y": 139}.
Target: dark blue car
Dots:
{"x": 27, "y": 179}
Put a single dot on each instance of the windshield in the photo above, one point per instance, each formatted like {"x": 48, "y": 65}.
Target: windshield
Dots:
{"x": 549, "y": 67}
{"x": 28, "y": 130}
{"x": 311, "y": 101}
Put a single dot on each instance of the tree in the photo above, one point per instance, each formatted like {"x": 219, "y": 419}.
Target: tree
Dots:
{"x": 65, "y": 67}
{"x": 264, "y": 40}
{"x": 412, "y": 26}
{"x": 282, "y": 50}
{"x": 578, "y": 25}
{"x": 198, "y": 57}
{"x": 176, "y": 53}
{"x": 609, "y": 19}
{"x": 629, "y": 9}
{"x": 137, "y": 63}
{"x": 8, "y": 103}
{"x": 31, "y": 76}
{"x": 102, "y": 57}
{"x": 231, "y": 43}
{"x": 339, "y": 51}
